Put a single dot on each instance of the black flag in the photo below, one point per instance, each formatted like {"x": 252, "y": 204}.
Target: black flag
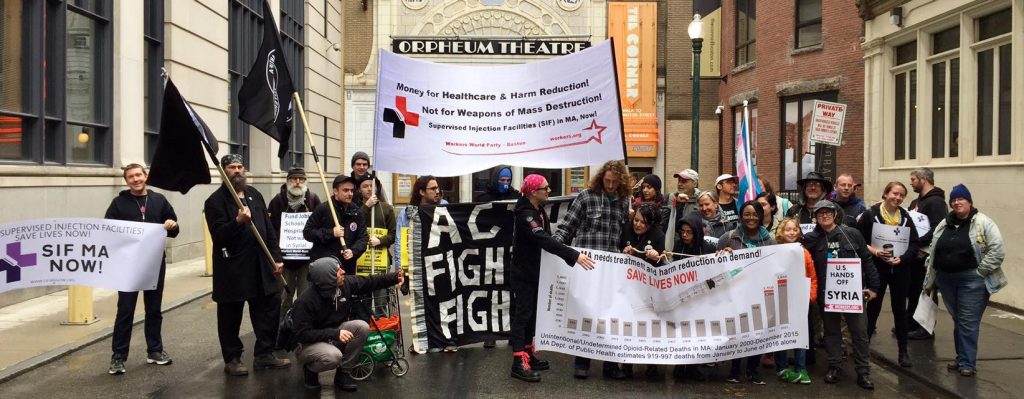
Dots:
{"x": 179, "y": 162}
{"x": 265, "y": 99}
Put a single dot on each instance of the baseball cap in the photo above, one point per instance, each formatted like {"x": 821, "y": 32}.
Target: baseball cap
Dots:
{"x": 724, "y": 178}
{"x": 687, "y": 174}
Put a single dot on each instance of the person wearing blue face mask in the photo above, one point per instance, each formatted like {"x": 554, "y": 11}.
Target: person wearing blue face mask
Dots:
{"x": 499, "y": 186}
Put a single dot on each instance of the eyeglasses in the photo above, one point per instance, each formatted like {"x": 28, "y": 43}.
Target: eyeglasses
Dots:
{"x": 545, "y": 188}
{"x": 435, "y": 188}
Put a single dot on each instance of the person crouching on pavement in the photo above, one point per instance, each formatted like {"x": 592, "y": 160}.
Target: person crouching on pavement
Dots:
{"x": 532, "y": 233}
{"x": 327, "y": 341}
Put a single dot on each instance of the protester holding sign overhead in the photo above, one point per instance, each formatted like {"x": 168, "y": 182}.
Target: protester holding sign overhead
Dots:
{"x": 832, "y": 240}
{"x": 892, "y": 239}
{"x": 139, "y": 204}
{"x": 966, "y": 267}
{"x": 595, "y": 221}
{"x": 294, "y": 197}
{"x": 532, "y": 233}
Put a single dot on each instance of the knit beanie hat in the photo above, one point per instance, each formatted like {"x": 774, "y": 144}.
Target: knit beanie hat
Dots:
{"x": 653, "y": 181}
{"x": 960, "y": 191}
{"x": 504, "y": 172}
{"x": 531, "y": 183}
{"x": 359, "y": 155}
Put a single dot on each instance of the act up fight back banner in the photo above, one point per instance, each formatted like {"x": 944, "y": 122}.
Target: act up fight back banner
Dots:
{"x": 698, "y": 310}
{"x": 102, "y": 253}
{"x": 449, "y": 120}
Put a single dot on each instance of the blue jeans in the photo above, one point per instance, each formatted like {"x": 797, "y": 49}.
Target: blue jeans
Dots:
{"x": 966, "y": 297}
{"x": 799, "y": 360}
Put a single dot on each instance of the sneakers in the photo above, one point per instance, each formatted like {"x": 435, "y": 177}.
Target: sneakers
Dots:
{"x": 787, "y": 375}
{"x": 235, "y": 368}
{"x": 116, "y": 367}
{"x": 733, "y": 379}
{"x": 802, "y": 377}
{"x": 521, "y": 368}
{"x": 158, "y": 358}
{"x": 269, "y": 361}
{"x": 755, "y": 379}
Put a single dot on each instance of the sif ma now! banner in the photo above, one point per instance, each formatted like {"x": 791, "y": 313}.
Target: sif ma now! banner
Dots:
{"x": 101, "y": 253}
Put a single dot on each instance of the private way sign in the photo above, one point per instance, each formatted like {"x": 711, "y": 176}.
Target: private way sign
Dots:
{"x": 450, "y": 120}
{"x": 827, "y": 123}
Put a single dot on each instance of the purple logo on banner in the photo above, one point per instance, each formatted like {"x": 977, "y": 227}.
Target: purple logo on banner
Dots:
{"x": 14, "y": 261}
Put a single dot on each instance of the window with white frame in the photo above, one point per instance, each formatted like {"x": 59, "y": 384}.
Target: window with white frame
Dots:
{"x": 945, "y": 93}
{"x": 905, "y": 104}
{"x": 993, "y": 51}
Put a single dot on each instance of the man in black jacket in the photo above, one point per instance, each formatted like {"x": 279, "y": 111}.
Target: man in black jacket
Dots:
{"x": 138, "y": 204}
{"x": 931, "y": 202}
{"x": 531, "y": 234}
{"x": 294, "y": 197}
{"x": 831, "y": 239}
{"x": 499, "y": 187}
{"x": 326, "y": 237}
{"x": 328, "y": 339}
{"x": 241, "y": 271}
{"x": 813, "y": 188}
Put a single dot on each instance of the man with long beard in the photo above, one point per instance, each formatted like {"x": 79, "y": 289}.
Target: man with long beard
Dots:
{"x": 241, "y": 271}
{"x": 294, "y": 197}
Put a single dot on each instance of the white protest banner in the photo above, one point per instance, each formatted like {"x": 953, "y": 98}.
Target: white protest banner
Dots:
{"x": 102, "y": 253}
{"x": 844, "y": 292}
{"x": 697, "y": 310}
{"x": 921, "y": 222}
{"x": 827, "y": 123}
{"x": 449, "y": 120}
{"x": 897, "y": 236}
{"x": 293, "y": 245}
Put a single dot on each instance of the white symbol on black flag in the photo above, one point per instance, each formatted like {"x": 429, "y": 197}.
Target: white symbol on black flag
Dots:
{"x": 266, "y": 85}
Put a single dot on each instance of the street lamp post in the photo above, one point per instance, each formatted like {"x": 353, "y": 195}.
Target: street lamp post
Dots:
{"x": 696, "y": 33}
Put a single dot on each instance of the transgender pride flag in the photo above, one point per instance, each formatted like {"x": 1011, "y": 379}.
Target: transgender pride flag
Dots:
{"x": 745, "y": 171}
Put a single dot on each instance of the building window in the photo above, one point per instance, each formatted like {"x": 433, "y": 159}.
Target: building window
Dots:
{"x": 55, "y": 82}
{"x": 153, "y": 83}
{"x": 746, "y": 32}
{"x": 292, "y": 24}
{"x": 946, "y": 94}
{"x": 798, "y": 154}
{"x": 245, "y": 32}
{"x": 808, "y": 23}
{"x": 905, "y": 112}
{"x": 994, "y": 84}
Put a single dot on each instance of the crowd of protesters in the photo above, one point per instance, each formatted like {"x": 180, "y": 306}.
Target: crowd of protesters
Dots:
{"x": 958, "y": 254}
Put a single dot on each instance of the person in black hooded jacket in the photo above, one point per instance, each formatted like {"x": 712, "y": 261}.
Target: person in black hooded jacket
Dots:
{"x": 321, "y": 231}
{"x": 138, "y": 204}
{"x": 531, "y": 234}
{"x": 831, "y": 239}
{"x": 499, "y": 186}
{"x": 644, "y": 238}
{"x": 328, "y": 339}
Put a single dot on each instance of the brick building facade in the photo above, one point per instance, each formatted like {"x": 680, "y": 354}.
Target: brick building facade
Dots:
{"x": 780, "y": 60}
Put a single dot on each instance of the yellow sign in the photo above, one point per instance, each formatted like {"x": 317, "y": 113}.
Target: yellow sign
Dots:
{"x": 711, "y": 51}
{"x": 374, "y": 260}
{"x": 633, "y": 26}
{"x": 404, "y": 243}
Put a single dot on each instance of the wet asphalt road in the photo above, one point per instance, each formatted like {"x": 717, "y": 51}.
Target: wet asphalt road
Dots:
{"x": 190, "y": 337}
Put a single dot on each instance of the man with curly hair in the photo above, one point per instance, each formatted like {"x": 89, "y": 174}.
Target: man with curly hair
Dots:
{"x": 595, "y": 221}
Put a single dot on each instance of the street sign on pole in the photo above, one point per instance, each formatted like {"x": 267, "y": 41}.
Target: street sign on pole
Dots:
{"x": 827, "y": 123}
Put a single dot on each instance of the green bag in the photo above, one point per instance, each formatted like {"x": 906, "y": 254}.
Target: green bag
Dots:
{"x": 378, "y": 343}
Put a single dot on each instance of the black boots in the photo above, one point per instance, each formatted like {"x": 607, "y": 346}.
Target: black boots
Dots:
{"x": 521, "y": 368}
{"x": 344, "y": 381}
{"x": 536, "y": 363}
{"x": 904, "y": 358}
{"x": 310, "y": 379}
{"x": 864, "y": 381}
{"x": 833, "y": 375}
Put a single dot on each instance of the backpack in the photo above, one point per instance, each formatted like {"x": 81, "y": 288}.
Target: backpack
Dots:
{"x": 286, "y": 337}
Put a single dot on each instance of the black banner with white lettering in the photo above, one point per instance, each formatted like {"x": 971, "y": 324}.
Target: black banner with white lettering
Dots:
{"x": 460, "y": 253}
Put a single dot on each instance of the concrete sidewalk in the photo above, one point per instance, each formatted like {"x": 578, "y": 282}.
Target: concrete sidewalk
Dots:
{"x": 32, "y": 331}
{"x": 1000, "y": 355}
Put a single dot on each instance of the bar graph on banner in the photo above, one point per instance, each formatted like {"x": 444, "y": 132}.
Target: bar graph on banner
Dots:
{"x": 771, "y": 313}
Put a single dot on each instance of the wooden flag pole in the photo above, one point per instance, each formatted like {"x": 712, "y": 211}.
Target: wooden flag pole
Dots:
{"x": 255, "y": 231}
{"x": 319, "y": 169}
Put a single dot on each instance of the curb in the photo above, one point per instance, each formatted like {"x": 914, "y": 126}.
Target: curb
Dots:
{"x": 55, "y": 354}
{"x": 895, "y": 368}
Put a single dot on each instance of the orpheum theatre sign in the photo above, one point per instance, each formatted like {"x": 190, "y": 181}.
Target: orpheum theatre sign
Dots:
{"x": 487, "y": 46}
